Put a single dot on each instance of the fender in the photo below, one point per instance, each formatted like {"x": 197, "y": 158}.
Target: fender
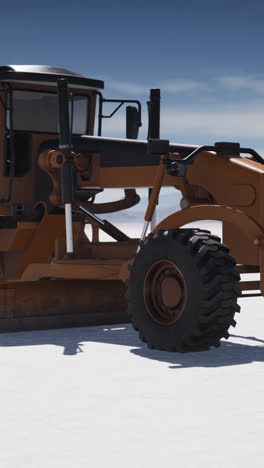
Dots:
{"x": 249, "y": 226}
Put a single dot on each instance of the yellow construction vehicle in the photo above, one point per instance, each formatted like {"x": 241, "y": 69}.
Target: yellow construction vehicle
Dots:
{"x": 178, "y": 286}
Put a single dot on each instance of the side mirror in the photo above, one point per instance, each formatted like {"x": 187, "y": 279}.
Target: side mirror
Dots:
{"x": 132, "y": 122}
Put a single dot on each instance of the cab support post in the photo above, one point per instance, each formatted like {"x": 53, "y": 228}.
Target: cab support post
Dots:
{"x": 66, "y": 170}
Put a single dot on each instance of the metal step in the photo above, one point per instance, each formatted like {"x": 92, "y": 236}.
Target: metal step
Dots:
{"x": 250, "y": 286}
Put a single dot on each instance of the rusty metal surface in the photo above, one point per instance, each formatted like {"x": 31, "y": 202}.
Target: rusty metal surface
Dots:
{"x": 45, "y": 304}
{"x": 74, "y": 269}
{"x": 247, "y": 268}
{"x": 249, "y": 285}
{"x": 165, "y": 292}
{"x": 214, "y": 212}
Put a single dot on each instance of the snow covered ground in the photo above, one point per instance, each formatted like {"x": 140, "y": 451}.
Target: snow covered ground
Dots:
{"x": 98, "y": 397}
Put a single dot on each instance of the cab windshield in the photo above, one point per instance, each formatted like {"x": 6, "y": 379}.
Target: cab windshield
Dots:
{"x": 35, "y": 111}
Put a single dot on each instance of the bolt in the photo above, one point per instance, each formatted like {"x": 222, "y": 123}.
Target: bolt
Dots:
{"x": 184, "y": 203}
{"x": 59, "y": 159}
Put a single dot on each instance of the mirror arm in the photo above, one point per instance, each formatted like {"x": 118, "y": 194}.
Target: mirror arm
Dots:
{"x": 101, "y": 116}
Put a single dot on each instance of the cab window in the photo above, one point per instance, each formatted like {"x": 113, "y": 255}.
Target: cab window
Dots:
{"x": 35, "y": 111}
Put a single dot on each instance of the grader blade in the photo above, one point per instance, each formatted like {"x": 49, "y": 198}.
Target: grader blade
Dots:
{"x": 61, "y": 303}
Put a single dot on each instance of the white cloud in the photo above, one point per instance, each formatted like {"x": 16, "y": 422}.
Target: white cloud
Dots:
{"x": 232, "y": 122}
{"x": 179, "y": 86}
{"x": 217, "y": 119}
{"x": 222, "y": 122}
{"x": 127, "y": 88}
{"x": 171, "y": 86}
{"x": 242, "y": 82}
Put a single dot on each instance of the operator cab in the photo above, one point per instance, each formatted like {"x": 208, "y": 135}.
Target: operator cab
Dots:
{"x": 29, "y": 118}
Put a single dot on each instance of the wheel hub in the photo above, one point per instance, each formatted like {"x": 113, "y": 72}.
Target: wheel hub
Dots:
{"x": 164, "y": 292}
{"x": 170, "y": 291}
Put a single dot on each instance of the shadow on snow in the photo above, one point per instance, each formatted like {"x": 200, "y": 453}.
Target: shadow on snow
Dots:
{"x": 73, "y": 339}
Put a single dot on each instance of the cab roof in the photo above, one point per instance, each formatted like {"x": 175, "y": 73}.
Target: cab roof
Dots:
{"x": 46, "y": 75}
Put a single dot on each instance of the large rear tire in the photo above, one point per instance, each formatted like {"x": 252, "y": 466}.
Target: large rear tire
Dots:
{"x": 183, "y": 290}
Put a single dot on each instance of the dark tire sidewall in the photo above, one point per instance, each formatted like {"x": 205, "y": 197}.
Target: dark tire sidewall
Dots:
{"x": 189, "y": 320}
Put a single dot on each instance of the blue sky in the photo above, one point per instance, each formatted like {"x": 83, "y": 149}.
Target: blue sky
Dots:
{"x": 207, "y": 57}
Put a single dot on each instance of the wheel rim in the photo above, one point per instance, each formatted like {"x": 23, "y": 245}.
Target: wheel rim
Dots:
{"x": 164, "y": 292}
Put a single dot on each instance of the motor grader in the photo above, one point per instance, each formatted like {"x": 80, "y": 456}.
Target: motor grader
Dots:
{"x": 179, "y": 286}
